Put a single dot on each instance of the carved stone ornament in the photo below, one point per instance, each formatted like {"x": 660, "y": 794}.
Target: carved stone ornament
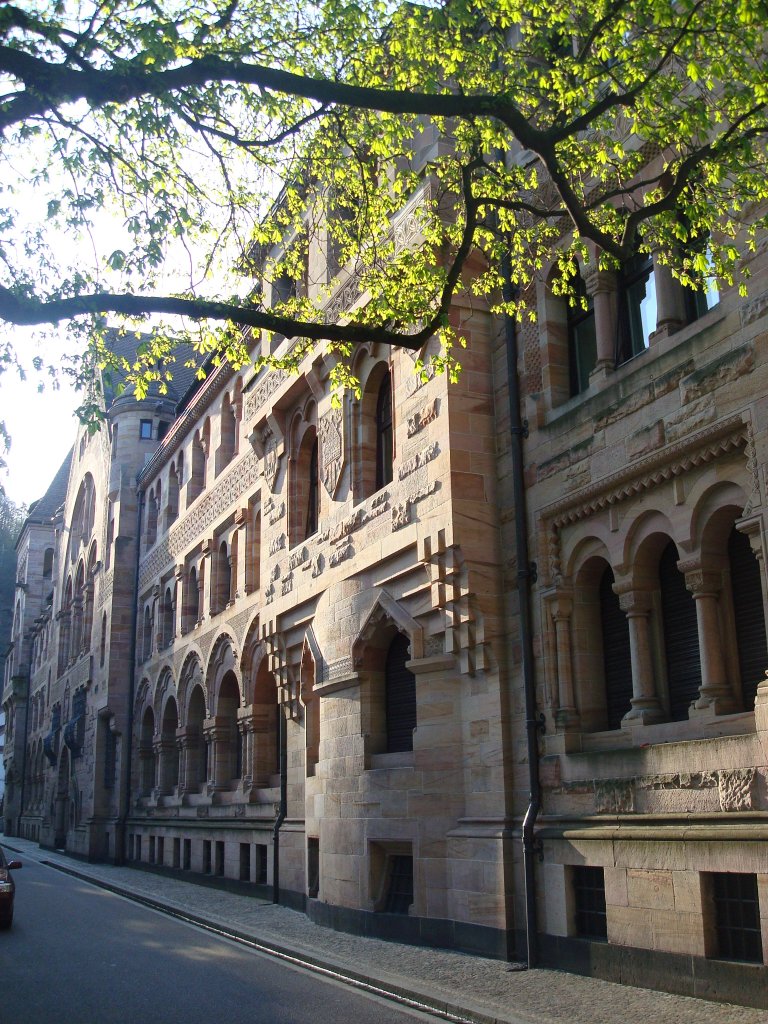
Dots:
{"x": 332, "y": 449}
{"x": 271, "y": 458}
{"x": 422, "y": 417}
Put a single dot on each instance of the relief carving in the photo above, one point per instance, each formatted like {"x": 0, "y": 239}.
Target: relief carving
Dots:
{"x": 614, "y": 796}
{"x": 276, "y": 513}
{"x": 297, "y": 558}
{"x": 721, "y": 371}
{"x": 341, "y": 554}
{"x": 420, "y": 419}
{"x": 401, "y": 515}
{"x": 418, "y": 380}
{"x": 735, "y": 789}
{"x": 226, "y": 492}
{"x": 754, "y": 310}
{"x": 667, "y": 463}
{"x": 332, "y": 449}
{"x": 419, "y": 460}
{"x": 277, "y": 544}
{"x": 271, "y": 457}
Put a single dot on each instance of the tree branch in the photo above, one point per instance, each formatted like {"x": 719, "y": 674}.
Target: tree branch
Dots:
{"x": 29, "y": 312}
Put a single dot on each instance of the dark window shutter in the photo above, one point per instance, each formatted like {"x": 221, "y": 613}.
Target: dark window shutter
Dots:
{"x": 400, "y": 684}
{"x": 617, "y": 661}
{"x": 749, "y": 615}
{"x": 681, "y": 637}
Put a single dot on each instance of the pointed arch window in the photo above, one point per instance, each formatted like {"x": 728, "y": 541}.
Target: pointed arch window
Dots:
{"x": 400, "y": 696}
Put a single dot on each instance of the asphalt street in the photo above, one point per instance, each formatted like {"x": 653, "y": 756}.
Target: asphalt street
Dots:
{"x": 80, "y": 955}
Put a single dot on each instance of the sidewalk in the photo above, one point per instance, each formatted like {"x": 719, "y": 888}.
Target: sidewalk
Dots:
{"x": 464, "y": 988}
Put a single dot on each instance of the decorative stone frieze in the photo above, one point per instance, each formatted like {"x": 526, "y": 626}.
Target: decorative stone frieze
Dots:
{"x": 257, "y": 397}
{"x": 107, "y": 588}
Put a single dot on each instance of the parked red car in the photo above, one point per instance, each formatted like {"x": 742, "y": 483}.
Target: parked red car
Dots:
{"x": 7, "y": 889}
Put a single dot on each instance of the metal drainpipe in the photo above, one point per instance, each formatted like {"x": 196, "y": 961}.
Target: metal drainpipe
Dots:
{"x": 283, "y": 735}
{"x": 121, "y": 853}
{"x": 525, "y": 576}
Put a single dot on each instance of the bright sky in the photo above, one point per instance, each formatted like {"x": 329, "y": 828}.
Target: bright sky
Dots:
{"x": 42, "y": 428}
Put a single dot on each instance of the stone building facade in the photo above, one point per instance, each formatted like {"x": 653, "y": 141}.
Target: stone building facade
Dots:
{"x": 646, "y": 492}
{"x": 35, "y": 557}
{"x": 323, "y": 694}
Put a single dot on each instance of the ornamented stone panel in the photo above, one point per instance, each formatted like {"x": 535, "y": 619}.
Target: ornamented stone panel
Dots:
{"x": 332, "y": 449}
{"x": 225, "y": 493}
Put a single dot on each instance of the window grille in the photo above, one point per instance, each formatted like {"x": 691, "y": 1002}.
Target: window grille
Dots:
{"x": 313, "y": 867}
{"x": 261, "y": 864}
{"x": 737, "y": 916}
{"x": 589, "y": 902}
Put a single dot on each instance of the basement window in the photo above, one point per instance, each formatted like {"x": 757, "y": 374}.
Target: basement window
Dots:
{"x": 589, "y": 902}
{"x": 736, "y": 916}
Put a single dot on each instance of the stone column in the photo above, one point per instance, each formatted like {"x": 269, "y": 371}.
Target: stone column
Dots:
{"x": 566, "y": 717}
{"x": 190, "y": 743}
{"x": 157, "y": 619}
{"x": 85, "y": 643}
{"x": 238, "y": 569}
{"x": 204, "y": 581}
{"x": 646, "y": 707}
{"x": 218, "y": 733}
{"x": 670, "y": 304}
{"x": 601, "y": 287}
{"x": 177, "y": 626}
{"x": 167, "y": 753}
{"x": 705, "y": 586}
{"x": 246, "y": 726}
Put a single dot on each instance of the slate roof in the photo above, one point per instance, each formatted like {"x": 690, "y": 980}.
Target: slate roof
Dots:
{"x": 45, "y": 508}
{"x": 184, "y": 377}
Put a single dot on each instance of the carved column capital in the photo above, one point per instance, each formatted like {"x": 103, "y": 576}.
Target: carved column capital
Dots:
{"x": 599, "y": 281}
{"x": 701, "y": 582}
{"x": 633, "y": 601}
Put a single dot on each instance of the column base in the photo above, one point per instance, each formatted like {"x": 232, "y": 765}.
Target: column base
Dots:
{"x": 644, "y": 711}
{"x": 567, "y": 720}
{"x": 712, "y": 701}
